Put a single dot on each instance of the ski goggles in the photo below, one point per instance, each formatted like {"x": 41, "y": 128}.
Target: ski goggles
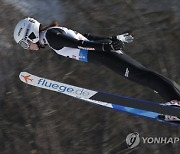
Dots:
{"x": 24, "y": 43}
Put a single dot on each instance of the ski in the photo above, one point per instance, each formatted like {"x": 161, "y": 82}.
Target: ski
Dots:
{"x": 121, "y": 103}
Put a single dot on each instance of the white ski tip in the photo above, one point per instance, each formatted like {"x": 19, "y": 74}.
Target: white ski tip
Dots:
{"x": 25, "y": 77}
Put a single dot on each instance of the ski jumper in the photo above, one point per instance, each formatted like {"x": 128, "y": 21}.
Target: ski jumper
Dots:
{"x": 88, "y": 48}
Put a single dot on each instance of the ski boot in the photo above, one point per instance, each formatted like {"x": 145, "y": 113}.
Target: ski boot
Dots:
{"x": 125, "y": 38}
{"x": 173, "y": 103}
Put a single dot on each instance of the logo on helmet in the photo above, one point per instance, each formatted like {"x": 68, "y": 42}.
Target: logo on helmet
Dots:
{"x": 26, "y": 35}
{"x": 19, "y": 33}
{"x": 31, "y": 20}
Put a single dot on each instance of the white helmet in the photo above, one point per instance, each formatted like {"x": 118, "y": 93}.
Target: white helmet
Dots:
{"x": 27, "y": 30}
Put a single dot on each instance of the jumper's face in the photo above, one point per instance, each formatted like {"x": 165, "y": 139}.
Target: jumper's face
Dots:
{"x": 33, "y": 46}
{"x": 28, "y": 45}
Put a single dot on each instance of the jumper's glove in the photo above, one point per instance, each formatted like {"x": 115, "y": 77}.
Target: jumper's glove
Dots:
{"x": 113, "y": 46}
{"x": 125, "y": 38}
